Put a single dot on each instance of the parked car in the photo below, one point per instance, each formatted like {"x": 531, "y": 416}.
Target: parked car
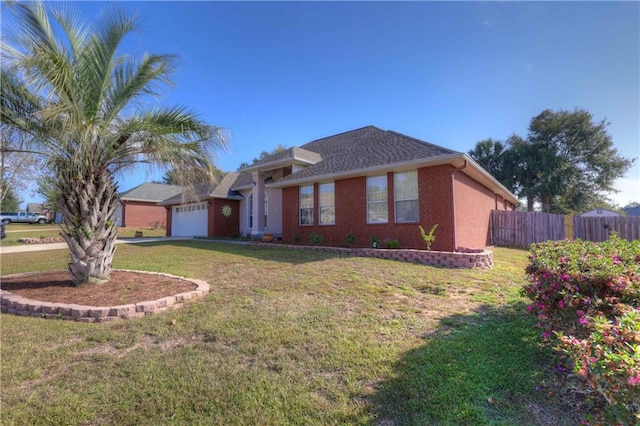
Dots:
{"x": 23, "y": 217}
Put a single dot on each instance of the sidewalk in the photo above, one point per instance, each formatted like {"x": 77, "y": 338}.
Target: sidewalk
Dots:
{"x": 58, "y": 246}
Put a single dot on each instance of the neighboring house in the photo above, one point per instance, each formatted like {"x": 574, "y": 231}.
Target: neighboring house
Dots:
{"x": 600, "y": 213}
{"x": 206, "y": 210}
{"x": 359, "y": 184}
{"x": 39, "y": 208}
{"x": 632, "y": 211}
{"x": 139, "y": 206}
{"x": 34, "y": 208}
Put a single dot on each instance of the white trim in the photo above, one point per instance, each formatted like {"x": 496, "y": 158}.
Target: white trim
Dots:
{"x": 393, "y": 167}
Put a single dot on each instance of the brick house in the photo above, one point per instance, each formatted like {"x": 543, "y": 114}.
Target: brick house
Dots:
{"x": 362, "y": 184}
{"x": 207, "y": 210}
{"x": 139, "y": 206}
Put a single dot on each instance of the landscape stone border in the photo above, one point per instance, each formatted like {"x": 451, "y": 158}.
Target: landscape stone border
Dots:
{"x": 11, "y": 303}
{"x": 463, "y": 258}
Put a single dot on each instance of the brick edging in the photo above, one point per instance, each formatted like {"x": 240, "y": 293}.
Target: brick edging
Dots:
{"x": 18, "y": 305}
{"x": 465, "y": 258}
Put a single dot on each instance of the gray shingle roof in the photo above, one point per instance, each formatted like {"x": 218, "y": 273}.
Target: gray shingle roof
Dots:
{"x": 152, "y": 192}
{"x": 365, "y": 148}
{"x": 364, "y": 151}
{"x": 206, "y": 190}
{"x": 632, "y": 211}
{"x": 288, "y": 155}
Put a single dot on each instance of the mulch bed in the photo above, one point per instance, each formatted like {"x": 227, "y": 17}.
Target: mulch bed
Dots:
{"x": 123, "y": 288}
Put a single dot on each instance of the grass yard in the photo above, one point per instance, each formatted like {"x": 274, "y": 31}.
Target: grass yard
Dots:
{"x": 16, "y": 231}
{"x": 288, "y": 337}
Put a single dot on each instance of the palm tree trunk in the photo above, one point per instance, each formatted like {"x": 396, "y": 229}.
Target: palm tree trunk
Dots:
{"x": 530, "y": 202}
{"x": 88, "y": 207}
{"x": 545, "y": 200}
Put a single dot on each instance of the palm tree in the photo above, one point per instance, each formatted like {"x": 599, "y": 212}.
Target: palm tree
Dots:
{"x": 489, "y": 154}
{"x": 80, "y": 102}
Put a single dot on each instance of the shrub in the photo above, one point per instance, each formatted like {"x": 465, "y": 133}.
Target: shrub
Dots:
{"x": 316, "y": 239}
{"x": 296, "y": 238}
{"x": 430, "y": 237}
{"x": 586, "y": 296}
{"x": 609, "y": 361}
{"x": 393, "y": 244}
{"x": 351, "y": 239}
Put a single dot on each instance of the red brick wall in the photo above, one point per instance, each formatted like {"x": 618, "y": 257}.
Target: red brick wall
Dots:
{"x": 474, "y": 203}
{"x": 169, "y": 213}
{"x": 219, "y": 224}
{"x": 434, "y": 186}
{"x": 139, "y": 214}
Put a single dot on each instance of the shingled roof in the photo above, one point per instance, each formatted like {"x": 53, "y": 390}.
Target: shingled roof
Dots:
{"x": 362, "y": 149}
{"x": 286, "y": 156}
{"x": 203, "y": 191}
{"x": 150, "y": 191}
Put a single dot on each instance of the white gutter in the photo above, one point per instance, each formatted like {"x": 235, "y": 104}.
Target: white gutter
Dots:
{"x": 443, "y": 159}
{"x": 489, "y": 181}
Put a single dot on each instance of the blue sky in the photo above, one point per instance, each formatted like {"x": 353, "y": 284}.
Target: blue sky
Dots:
{"x": 451, "y": 73}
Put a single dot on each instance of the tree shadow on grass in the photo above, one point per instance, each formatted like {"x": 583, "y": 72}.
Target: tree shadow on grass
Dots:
{"x": 483, "y": 368}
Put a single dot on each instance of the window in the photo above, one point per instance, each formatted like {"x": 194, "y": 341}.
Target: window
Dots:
{"x": 377, "y": 207}
{"x": 405, "y": 191}
{"x": 327, "y": 203}
{"x": 306, "y": 205}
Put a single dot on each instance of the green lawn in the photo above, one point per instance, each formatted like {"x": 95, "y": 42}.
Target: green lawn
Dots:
{"x": 16, "y": 231}
{"x": 288, "y": 337}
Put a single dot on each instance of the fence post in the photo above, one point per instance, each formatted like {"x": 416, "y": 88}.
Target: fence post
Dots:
{"x": 568, "y": 226}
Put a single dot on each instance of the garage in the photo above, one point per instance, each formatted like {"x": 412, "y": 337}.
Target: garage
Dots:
{"x": 189, "y": 220}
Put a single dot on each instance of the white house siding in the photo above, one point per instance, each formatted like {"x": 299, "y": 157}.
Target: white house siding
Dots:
{"x": 275, "y": 211}
{"x": 244, "y": 216}
{"x": 274, "y": 219}
{"x": 119, "y": 215}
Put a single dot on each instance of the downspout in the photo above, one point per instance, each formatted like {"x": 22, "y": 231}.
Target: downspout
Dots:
{"x": 453, "y": 204}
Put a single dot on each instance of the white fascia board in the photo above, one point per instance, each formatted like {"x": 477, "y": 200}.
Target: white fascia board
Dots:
{"x": 405, "y": 165}
{"x": 276, "y": 165}
{"x": 457, "y": 160}
{"x": 140, "y": 200}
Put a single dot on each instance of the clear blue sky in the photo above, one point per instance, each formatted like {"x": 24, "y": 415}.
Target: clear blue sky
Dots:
{"x": 450, "y": 73}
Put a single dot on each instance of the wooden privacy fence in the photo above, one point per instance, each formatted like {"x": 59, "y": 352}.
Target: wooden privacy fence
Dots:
{"x": 521, "y": 229}
{"x": 599, "y": 228}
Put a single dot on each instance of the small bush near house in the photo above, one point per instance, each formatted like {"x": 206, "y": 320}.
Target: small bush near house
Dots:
{"x": 393, "y": 244}
{"x": 316, "y": 239}
{"x": 296, "y": 238}
{"x": 375, "y": 241}
{"x": 587, "y": 299}
{"x": 430, "y": 237}
{"x": 351, "y": 239}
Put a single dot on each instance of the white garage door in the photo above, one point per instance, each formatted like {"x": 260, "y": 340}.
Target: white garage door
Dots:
{"x": 189, "y": 220}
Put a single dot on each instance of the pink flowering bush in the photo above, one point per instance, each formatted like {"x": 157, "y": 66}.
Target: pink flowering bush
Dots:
{"x": 587, "y": 300}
